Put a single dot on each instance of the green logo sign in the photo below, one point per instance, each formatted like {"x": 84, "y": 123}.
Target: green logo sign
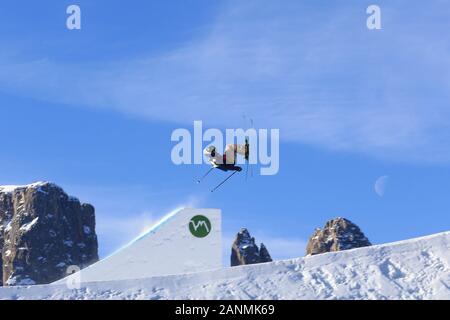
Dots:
{"x": 200, "y": 226}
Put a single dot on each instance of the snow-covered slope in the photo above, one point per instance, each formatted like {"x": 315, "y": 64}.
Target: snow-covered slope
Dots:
{"x": 412, "y": 269}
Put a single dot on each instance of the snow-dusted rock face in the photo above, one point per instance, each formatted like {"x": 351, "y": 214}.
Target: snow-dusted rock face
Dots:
{"x": 245, "y": 251}
{"x": 337, "y": 235}
{"x": 42, "y": 232}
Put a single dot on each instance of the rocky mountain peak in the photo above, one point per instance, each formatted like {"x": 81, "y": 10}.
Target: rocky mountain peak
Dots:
{"x": 337, "y": 235}
{"x": 264, "y": 254}
{"x": 245, "y": 251}
{"x": 42, "y": 232}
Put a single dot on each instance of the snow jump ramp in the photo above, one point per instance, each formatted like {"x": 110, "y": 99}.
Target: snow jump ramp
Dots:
{"x": 184, "y": 241}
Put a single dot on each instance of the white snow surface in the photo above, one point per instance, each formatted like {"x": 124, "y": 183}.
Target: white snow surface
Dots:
{"x": 411, "y": 269}
{"x": 12, "y": 188}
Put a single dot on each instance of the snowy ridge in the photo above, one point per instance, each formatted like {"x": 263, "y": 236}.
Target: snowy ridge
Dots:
{"x": 411, "y": 269}
{"x": 36, "y": 185}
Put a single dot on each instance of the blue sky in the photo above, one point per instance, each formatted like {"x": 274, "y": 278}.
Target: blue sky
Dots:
{"x": 93, "y": 111}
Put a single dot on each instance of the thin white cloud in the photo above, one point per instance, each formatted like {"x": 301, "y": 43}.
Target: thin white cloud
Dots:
{"x": 115, "y": 231}
{"x": 314, "y": 72}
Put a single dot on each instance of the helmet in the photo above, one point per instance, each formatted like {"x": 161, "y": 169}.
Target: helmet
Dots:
{"x": 210, "y": 151}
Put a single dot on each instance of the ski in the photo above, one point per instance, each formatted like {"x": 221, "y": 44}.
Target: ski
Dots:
{"x": 250, "y": 167}
{"x": 217, "y": 187}
{"x": 247, "y": 156}
{"x": 247, "y": 152}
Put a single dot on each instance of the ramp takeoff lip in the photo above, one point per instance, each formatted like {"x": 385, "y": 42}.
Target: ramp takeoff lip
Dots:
{"x": 150, "y": 230}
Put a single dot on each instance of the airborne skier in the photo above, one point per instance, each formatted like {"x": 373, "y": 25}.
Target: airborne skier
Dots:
{"x": 227, "y": 161}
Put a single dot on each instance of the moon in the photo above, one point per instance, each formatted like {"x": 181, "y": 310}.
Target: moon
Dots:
{"x": 380, "y": 185}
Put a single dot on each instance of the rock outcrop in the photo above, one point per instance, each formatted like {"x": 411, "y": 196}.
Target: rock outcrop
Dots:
{"x": 264, "y": 255}
{"x": 245, "y": 251}
{"x": 43, "y": 231}
{"x": 337, "y": 235}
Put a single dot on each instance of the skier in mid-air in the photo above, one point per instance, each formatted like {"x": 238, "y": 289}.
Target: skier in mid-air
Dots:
{"x": 227, "y": 161}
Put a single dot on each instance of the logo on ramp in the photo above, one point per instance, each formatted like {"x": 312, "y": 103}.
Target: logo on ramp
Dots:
{"x": 200, "y": 226}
